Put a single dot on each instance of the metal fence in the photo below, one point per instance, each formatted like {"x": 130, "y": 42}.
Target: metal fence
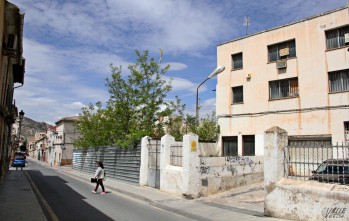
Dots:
{"x": 154, "y": 163}
{"x": 176, "y": 154}
{"x": 121, "y": 164}
{"x": 303, "y": 162}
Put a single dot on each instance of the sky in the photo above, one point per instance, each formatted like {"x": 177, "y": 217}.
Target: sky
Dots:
{"x": 69, "y": 45}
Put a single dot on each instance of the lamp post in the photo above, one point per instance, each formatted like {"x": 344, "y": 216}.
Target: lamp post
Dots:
{"x": 20, "y": 119}
{"x": 216, "y": 71}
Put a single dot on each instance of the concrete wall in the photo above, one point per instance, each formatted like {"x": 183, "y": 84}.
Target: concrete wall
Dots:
{"x": 218, "y": 174}
{"x": 311, "y": 66}
{"x": 198, "y": 176}
{"x": 298, "y": 199}
{"x": 310, "y": 200}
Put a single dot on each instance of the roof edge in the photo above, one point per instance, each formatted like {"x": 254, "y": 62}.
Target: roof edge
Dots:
{"x": 289, "y": 24}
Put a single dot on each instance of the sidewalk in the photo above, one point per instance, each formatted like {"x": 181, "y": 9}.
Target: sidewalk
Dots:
{"x": 17, "y": 198}
{"x": 18, "y": 201}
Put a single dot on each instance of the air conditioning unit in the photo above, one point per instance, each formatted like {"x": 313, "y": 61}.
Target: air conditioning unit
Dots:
{"x": 11, "y": 43}
{"x": 284, "y": 52}
{"x": 346, "y": 38}
{"x": 281, "y": 64}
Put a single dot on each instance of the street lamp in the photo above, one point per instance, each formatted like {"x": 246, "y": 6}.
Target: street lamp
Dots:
{"x": 216, "y": 71}
{"x": 20, "y": 119}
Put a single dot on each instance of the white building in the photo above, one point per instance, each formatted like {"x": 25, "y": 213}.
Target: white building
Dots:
{"x": 62, "y": 141}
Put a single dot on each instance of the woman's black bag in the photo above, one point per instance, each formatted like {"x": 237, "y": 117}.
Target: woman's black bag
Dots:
{"x": 93, "y": 180}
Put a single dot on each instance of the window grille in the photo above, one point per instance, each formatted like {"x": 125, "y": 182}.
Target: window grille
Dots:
{"x": 283, "y": 88}
{"x": 238, "y": 94}
{"x": 230, "y": 146}
{"x": 248, "y": 145}
{"x": 176, "y": 156}
{"x": 237, "y": 61}
{"x": 339, "y": 81}
{"x": 274, "y": 50}
{"x": 335, "y": 38}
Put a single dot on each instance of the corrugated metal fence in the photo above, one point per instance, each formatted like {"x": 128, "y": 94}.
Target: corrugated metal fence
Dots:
{"x": 119, "y": 163}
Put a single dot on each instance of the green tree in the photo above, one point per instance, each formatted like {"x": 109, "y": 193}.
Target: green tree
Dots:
{"x": 134, "y": 108}
{"x": 208, "y": 130}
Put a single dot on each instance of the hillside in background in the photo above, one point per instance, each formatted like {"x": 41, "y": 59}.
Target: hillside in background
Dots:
{"x": 30, "y": 127}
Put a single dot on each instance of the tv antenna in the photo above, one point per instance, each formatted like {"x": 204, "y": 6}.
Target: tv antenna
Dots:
{"x": 247, "y": 22}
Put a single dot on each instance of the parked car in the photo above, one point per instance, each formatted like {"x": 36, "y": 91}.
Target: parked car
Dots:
{"x": 18, "y": 161}
{"x": 332, "y": 171}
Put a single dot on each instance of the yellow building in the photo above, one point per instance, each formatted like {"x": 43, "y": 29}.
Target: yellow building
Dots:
{"x": 11, "y": 72}
{"x": 295, "y": 76}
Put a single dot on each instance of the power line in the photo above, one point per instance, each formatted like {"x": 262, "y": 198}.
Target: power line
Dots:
{"x": 291, "y": 111}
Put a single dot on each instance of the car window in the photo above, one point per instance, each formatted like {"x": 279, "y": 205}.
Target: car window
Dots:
{"x": 321, "y": 168}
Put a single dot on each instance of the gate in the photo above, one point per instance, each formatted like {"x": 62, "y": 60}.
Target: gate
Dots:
{"x": 121, "y": 164}
{"x": 154, "y": 163}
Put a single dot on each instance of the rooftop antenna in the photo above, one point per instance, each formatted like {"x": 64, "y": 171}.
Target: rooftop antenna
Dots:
{"x": 247, "y": 22}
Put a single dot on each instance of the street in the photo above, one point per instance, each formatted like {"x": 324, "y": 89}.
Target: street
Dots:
{"x": 65, "y": 198}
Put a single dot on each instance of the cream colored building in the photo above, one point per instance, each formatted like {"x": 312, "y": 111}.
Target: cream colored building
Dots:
{"x": 295, "y": 76}
{"x": 63, "y": 142}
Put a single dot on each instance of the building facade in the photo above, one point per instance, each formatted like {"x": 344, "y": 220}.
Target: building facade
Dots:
{"x": 295, "y": 76}
{"x": 63, "y": 141}
{"x": 11, "y": 72}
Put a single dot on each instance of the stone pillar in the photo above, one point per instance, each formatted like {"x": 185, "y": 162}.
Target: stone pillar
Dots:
{"x": 191, "y": 166}
{"x": 165, "y": 152}
{"x": 143, "y": 170}
{"x": 275, "y": 139}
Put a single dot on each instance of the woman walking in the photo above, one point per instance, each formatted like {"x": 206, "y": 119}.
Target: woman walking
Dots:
{"x": 100, "y": 176}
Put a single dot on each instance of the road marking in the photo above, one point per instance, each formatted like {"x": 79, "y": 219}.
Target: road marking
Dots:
{"x": 49, "y": 210}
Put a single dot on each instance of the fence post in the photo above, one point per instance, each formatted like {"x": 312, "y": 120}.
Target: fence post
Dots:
{"x": 191, "y": 166}
{"x": 143, "y": 170}
{"x": 275, "y": 139}
{"x": 165, "y": 152}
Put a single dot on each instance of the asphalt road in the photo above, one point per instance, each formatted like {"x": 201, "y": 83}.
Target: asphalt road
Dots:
{"x": 65, "y": 198}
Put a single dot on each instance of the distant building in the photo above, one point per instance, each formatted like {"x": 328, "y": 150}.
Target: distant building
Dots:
{"x": 295, "y": 76}
{"x": 64, "y": 136}
{"x": 11, "y": 72}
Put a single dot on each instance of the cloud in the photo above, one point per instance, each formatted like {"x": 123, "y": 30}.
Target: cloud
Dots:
{"x": 174, "y": 66}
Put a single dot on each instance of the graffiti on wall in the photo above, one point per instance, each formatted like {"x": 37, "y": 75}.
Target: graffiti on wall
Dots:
{"x": 204, "y": 170}
{"x": 241, "y": 160}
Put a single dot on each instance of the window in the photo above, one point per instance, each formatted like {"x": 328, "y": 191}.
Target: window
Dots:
{"x": 346, "y": 131}
{"x": 335, "y": 38}
{"x": 230, "y": 146}
{"x": 237, "y": 61}
{"x": 338, "y": 80}
{"x": 282, "y": 50}
{"x": 248, "y": 145}
{"x": 238, "y": 94}
{"x": 283, "y": 88}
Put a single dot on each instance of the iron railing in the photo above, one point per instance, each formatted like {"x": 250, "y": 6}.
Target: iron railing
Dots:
{"x": 176, "y": 154}
{"x": 303, "y": 162}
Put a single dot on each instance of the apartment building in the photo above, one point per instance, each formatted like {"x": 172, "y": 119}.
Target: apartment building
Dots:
{"x": 295, "y": 77}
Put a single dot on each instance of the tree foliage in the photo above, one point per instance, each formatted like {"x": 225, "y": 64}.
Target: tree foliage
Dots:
{"x": 138, "y": 107}
{"x": 134, "y": 108}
